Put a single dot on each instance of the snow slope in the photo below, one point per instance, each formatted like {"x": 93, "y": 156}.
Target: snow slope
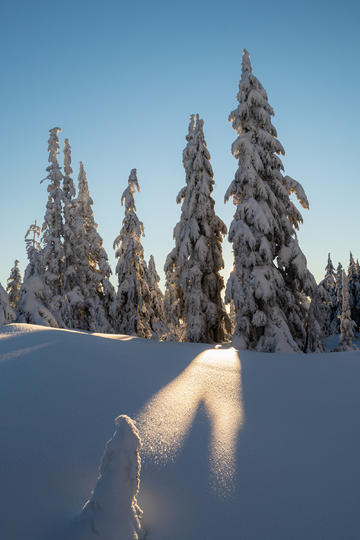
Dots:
{"x": 244, "y": 446}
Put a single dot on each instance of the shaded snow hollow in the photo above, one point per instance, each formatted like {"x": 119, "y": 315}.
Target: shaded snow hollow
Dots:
{"x": 242, "y": 445}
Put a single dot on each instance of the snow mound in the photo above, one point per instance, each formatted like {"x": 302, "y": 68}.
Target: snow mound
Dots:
{"x": 112, "y": 512}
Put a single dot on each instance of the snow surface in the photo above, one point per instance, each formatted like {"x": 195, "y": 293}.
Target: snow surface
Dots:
{"x": 247, "y": 446}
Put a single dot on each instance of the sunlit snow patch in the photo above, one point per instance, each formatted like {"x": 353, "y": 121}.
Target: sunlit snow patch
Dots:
{"x": 214, "y": 379}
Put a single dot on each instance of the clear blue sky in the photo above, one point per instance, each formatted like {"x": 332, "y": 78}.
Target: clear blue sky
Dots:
{"x": 121, "y": 78}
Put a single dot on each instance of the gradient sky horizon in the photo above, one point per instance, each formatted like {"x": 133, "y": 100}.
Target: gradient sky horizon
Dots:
{"x": 121, "y": 80}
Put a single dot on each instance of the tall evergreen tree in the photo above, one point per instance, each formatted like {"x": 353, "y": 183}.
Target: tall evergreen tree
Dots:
{"x": 78, "y": 306}
{"x": 318, "y": 318}
{"x": 53, "y": 249}
{"x": 157, "y": 315}
{"x": 270, "y": 282}
{"x": 96, "y": 292}
{"x": 34, "y": 292}
{"x": 332, "y": 313}
{"x": 174, "y": 306}
{"x": 13, "y": 285}
{"x": 131, "y": 308}
{"x": 347, "y": 325}
{"x": 70, "y": 220}
{"x": 173, "y": 301}
{"x": 198, "y": 254}
{"x": 335, "y": 326}
{"x": 354, "y": 290}
{"x": 323, "y": 310}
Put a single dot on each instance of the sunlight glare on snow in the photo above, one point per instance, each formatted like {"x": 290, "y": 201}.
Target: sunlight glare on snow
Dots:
{"x": 17, "y": 329}
{"x": 117, "y": 337}
{"x": 214, "y": 379}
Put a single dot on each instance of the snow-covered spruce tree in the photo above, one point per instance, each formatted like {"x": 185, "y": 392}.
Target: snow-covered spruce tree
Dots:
{"x": 52, "y": 229}
{"x": 34, "y": 292}
{"x": 70, "y": 215}
{"x": 131, "y": 308}
{"x": 157, "y": 316}
{"x": 7, "y": 313}
{"x": 323, "y": 310}
{"x": 13, "y": 285}
{"x": 92, "y": 292}
{"x": 198, "y": 255}
{"x": 318, "y": 318}
{"x": 77, "y": 310}
{"x": 330, "y": 274}
{"x": 347, "y": 325}
{"x": 270, "y": 283}
{"x": 335, "y": 327}
{"x": 112, "y": 512}
{"x": 338, "y": 281}
{"x": 73, "y": 243}
{"x": 331, "y": 320}
{"x": 354, "y": 290}
{"x": 174, "y": 301}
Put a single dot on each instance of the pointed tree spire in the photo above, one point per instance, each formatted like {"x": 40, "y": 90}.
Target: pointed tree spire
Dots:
{"x": 131, "y": 308}
{"x": 245, "y": 62}
{"x": 68, "y": 184}
{"x": 330, "y": 270}
{"x": 270, "y": 282}
{"x": 338, "y": 279}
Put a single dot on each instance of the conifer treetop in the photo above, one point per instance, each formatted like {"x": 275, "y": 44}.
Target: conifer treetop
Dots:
{"x": 352, "y": 265}
{"x": 84, "y": 193}
{"x": 245, "y": 63}
{"x": 127, "y": 197}
{"x": 155, "y": 278}
{"x": 35, "y": 230}
{"x": 69, "y": 187}
{"x": 67, "y": 157}
{"x": 53, "y": 146}
{"x": 191, "y": 127}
